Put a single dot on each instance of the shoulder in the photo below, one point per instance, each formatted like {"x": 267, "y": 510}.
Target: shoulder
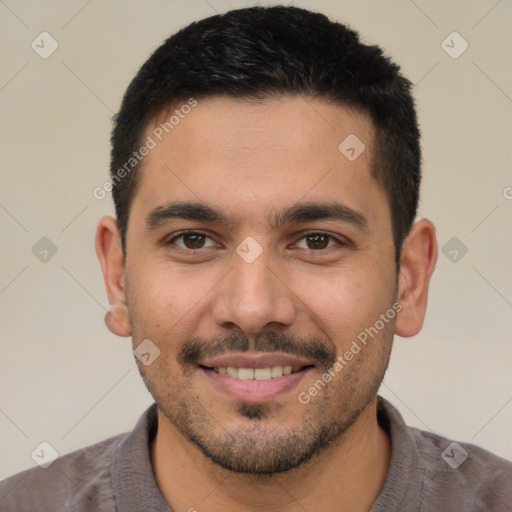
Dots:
{"x": 76, "y": 481}
{"x": 462, "y": 475}
{"x": 429, "y": 472}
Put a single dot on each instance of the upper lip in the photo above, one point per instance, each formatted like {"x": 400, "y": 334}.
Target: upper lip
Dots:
{"x": 254, "y": 360}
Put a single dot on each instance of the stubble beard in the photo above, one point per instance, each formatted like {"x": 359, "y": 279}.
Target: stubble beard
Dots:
{"x": 258, "y": 445}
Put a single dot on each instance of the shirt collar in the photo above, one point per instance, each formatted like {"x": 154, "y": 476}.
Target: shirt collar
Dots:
{"x": 395, "y": 494}
{"x": 135, "y": 487}
{"x": 133, "y": 481}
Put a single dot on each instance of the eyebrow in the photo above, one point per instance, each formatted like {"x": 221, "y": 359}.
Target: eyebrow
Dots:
{"x": 304, "y": 212}
{"x": 184, "y": 210}
{"x": 307, "y": 212}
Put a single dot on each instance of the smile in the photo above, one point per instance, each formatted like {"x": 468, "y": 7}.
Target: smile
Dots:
{"x": 269, "y": 372}
{"x": 254, "y": 377}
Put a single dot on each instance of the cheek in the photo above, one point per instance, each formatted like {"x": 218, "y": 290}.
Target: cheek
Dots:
{"x": 343, "y": 304}
{"x": 166, "y": 301}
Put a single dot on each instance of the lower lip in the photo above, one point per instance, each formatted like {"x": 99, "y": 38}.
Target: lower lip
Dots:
{"x": 254, "y": 390}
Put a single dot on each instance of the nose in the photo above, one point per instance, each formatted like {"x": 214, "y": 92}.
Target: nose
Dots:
{"x": 253, "y": 296}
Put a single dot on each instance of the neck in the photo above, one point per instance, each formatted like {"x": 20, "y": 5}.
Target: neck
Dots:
{"x": 347, "y": 475}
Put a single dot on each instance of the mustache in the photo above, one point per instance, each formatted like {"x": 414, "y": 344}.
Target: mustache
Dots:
{"x": 314, "y": 349}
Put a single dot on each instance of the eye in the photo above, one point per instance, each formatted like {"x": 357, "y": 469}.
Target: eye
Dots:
{"x": 192, "y": 240}
{"x": 317, "y": 241}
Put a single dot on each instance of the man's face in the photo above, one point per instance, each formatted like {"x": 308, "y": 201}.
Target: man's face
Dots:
{"x": 254, "y": 242}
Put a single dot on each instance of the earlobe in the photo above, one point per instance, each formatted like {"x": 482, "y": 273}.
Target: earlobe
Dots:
{"x": 117, "y": 320}
{"x": 110, "y": 255}
{"x": 417, "y": 262}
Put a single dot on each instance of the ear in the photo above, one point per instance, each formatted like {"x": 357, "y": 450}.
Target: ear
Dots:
{"x": 110, "y": 254}
{"x": 417, "y": 262}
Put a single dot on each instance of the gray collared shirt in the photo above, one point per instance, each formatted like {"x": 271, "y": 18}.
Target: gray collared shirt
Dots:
{"x": 428, "y": 473}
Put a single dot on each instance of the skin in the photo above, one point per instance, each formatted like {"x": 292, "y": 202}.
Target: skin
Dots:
{"x": 249, "y": 159}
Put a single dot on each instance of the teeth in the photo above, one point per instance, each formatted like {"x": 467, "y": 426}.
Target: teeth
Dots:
{"x": 276, "y": 371}
{"x": 232, "y": 372}
{"x": 245, "y": 373}
{"x": 270, "y": 372}
{"x": 262, "y": 374}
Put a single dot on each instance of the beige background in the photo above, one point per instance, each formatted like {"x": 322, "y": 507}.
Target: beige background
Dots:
{"x": 66, "y": 380}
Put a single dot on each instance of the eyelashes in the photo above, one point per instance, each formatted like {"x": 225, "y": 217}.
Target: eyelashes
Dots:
{"x": 316, "y": 241}
{"x": 194, "y": 237}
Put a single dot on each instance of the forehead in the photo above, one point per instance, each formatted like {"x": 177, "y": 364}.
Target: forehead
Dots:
{"x": 248, "y": 153}
{"x": 269, "y": 125}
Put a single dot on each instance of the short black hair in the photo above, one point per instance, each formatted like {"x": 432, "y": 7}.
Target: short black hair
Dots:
{"x": 262, "y": 52}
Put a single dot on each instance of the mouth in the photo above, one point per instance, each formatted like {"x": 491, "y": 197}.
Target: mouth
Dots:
{"x": 255, "y": 377}
{"x": 265, "y": 373}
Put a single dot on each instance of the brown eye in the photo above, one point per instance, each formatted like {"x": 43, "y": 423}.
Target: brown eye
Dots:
{"x": 317, "y": 241}
{"x": 194, "y": 240}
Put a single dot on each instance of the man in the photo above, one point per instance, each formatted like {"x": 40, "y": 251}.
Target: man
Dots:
{"x": 265, "y": 172}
